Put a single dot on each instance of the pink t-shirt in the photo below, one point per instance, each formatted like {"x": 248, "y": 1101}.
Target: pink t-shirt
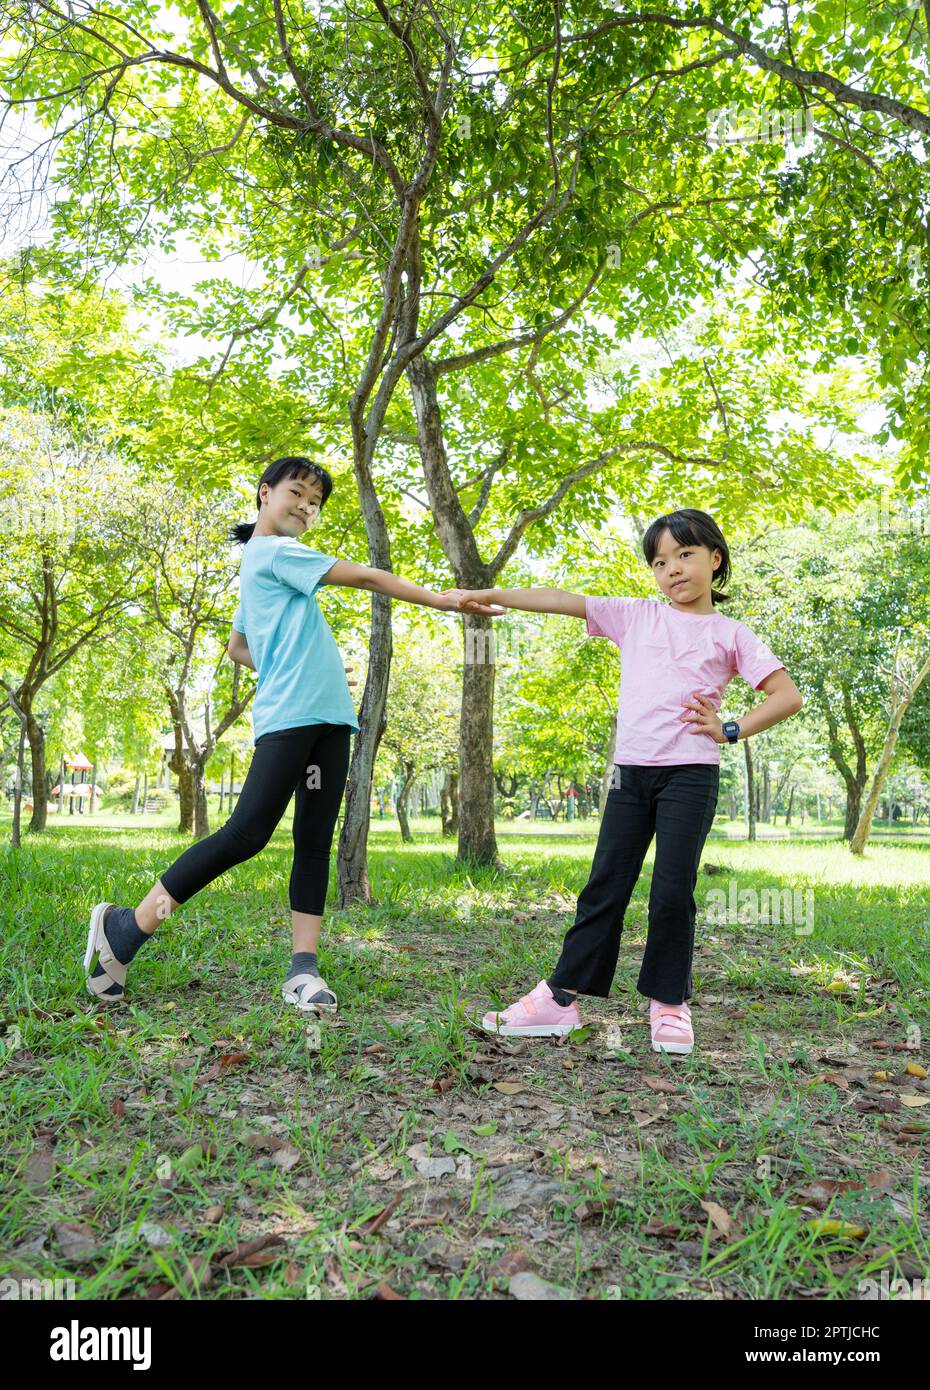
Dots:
{"x": 667, "y": 655}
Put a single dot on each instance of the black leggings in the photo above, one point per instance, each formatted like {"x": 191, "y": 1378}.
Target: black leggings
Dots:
{"x": 314, "y": 760}
{"x": 675, "y": 804}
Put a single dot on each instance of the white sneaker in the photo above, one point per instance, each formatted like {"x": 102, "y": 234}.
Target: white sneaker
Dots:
{"x": 300, "y": 989}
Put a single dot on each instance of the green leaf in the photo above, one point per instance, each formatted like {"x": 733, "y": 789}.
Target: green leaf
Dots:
{"x": 454, "y": 1145}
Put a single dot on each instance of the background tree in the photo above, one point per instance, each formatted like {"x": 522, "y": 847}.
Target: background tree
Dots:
{"x": 422, "y": 716}
{"x": 188, "y": 595}
{"x": 831, "y": 597}
{"x": 64, "y": 584}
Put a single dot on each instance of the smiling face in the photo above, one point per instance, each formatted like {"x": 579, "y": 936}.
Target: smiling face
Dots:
{"x": 684, "y": 572}
{"x": 290, "y": 506}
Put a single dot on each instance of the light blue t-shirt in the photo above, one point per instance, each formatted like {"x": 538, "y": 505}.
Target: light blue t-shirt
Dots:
{"x": 301, "y": 677}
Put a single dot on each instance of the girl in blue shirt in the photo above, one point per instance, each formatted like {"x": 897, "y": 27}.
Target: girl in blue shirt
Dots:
{"x": 303, "y": 717}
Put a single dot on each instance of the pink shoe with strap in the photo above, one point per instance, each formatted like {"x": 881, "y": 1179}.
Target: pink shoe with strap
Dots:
{"x": 671, "y": 1027}
{"x": 536, "y": 1015}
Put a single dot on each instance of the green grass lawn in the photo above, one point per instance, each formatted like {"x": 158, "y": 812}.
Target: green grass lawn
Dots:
{"x": 203, "y": 1141}
{"x": 899, "y": 833}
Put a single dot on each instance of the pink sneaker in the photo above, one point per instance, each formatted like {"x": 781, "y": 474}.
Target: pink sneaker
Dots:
{"x": 536, "y": 1015}
{"x": 671, "y": 1027}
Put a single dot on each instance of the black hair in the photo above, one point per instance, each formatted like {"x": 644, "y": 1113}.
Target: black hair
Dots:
{"x": 691, "y": 527}
{"x": 291, "y": 466}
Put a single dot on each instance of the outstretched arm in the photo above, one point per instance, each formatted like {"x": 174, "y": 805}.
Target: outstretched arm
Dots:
{"x": 384, "y": 582}
{"x": 531, "y": 600}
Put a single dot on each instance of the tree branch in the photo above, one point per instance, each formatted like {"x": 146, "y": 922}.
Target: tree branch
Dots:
{"x": 802, "y": 78}
{"x": 531, "y": 514}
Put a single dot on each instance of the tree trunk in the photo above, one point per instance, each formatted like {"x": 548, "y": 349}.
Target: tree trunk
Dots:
{"x": 93, "y": 789}
{"x": 201, "y": 812}
{"x": 36, "y": 736}
{"x": 477, "y": 840}
{"x": 135, "y": 796}
{"x": 192, "y": 795}
{"x": 185, "y": 796}
{"x": 853, "y": 803}
{"x": 353, "y": 881}
{"x": 18, "y": 789}
{"x": 790, "y": 804}
{"x": 191, "y": 755}
{"x": 507, "y": 793}
{"x": 449, "y": 802}
{"x": 901, "y": 697}
{"x": 853, "y": 780}
{"x": 750, "y": 791}
{"x": 402, "y": 795}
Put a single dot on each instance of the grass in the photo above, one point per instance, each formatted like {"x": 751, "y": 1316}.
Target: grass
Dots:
{"x": 204, "y": 1141}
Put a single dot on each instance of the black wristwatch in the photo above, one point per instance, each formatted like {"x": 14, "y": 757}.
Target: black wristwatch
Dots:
{"x": 731, "y": 729}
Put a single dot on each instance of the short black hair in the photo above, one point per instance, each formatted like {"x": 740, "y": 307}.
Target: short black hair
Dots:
{"x": 290, "y": 466}
{"x": 691, "y": 527}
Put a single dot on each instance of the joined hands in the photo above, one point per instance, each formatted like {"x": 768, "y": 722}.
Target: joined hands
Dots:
{"x": 470, "y": 601}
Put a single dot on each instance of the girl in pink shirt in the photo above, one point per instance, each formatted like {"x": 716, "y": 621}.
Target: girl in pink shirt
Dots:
{"x": 678, "y": 658}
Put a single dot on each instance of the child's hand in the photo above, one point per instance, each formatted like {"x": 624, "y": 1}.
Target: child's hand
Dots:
{"x": 471, "y": 601}
{"x": 705, "y": 721}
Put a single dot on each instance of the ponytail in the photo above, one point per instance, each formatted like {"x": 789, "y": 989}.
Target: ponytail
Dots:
{"x": 242, "y": 531}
